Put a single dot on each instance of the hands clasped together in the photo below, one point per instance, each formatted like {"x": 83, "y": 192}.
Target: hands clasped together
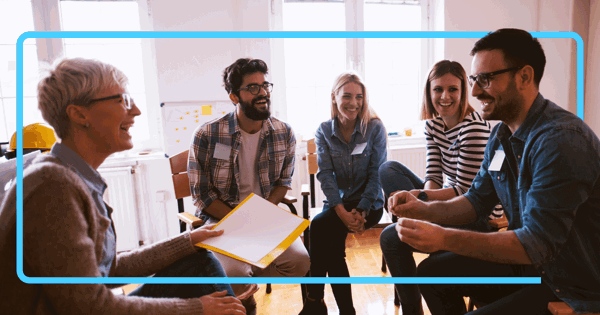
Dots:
{"x": 354, "y": 220}
{"x": 421, "y": 235}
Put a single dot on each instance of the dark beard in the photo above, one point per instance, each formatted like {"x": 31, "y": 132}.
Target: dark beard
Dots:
{"x": 249, "y": 109}
{"x": 507, "y": 105}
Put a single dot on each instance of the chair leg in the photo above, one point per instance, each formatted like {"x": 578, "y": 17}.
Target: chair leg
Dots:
{"x": 383, "y": 264}
{"x": 268, "y": 288}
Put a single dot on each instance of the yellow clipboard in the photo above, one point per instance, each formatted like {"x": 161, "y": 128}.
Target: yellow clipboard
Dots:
{"x": 272, "y": 254}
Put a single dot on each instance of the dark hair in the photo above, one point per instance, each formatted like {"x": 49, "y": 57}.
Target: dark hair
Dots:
{"x": 233, "y": 75}
{"x": 438, "y": 70}
{"x": 519, "y": 48}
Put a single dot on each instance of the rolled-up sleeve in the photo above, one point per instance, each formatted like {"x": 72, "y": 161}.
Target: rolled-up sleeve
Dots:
{"x": 565, "y": 168}
{"x": 287, "y": 169}
{"x": 378, "y": 156}
{"x": 325, "y": 175}
{"x": 201, "y": 187}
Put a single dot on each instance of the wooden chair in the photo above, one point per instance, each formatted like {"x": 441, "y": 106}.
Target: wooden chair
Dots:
{"x": 562, "y": 308}
{"x": 181, "y": 184}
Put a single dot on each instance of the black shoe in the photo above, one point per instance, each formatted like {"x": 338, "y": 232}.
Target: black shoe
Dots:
{"x": 250, "y": 305}
{"x": 312, "y": 307}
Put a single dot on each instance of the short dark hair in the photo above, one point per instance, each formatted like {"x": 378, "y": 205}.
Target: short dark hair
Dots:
{"x": 519, "y": 48}
{"x": 233, "y": 75}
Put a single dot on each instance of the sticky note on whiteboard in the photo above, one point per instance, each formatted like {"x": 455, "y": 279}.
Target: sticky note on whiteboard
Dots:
{"x": 206, "y": 110}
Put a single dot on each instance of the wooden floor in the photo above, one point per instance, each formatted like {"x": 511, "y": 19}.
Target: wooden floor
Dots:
{"x": 363, "y": 255}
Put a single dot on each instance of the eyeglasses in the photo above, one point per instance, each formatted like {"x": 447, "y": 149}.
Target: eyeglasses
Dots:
{"x": 254, "y": 89}
{"x": 127, "y": 101}
{"x": 483, "y": 79}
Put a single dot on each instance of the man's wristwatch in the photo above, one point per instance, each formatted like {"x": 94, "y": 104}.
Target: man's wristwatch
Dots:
{"x": 422, "y": 196}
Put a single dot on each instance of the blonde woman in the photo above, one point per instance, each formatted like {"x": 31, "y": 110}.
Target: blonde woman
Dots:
{"x": 351, "y": 147}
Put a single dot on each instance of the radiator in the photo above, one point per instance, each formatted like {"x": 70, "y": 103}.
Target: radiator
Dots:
{"x": 121, "y": 196}
{"x": 413, "y": 157}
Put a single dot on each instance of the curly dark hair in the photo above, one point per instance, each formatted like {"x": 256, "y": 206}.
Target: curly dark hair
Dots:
{"x": 519, "y": 48}
{"x": 233, "y": 75}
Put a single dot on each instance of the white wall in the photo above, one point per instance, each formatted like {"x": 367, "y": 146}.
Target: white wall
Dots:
{"x": 558, "y": 83}
{"x": 190, "y": 69}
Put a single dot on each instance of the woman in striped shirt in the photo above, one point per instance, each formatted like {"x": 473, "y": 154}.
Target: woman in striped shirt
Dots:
{"x": 456, "y": 139}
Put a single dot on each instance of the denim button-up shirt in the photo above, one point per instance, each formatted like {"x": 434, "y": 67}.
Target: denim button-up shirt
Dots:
{"x": 97, "y": 187}
{"x": 549, "y": 184}
{"x": 347, "y": 177}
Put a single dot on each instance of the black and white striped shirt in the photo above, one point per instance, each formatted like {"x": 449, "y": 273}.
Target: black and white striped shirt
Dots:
{"x": 456, "y": 153}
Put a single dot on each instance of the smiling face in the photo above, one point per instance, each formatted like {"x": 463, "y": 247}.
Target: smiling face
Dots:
{"x": 110, "y": 121}
{"x": 255, "y": 107}
{"x": 445, "y": 96}
{"x": 501, "y": 100}
{"x": 349, "y": 101}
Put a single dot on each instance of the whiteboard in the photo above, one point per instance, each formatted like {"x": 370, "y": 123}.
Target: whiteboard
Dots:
{"x": 180, "y": 120}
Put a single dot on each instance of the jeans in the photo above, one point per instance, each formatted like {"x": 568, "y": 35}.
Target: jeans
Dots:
{"x": 395, "y": 176}
{"x": 514, "y": 299}
{"x": 200, "y": 264}
{"x": 328, "y": 254}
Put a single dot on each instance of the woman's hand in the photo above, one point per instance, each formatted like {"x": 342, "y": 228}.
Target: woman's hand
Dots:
{"x": 200, "y": 234}
{"x": 218, "y": 303}
{"x": 348, "y": 218}
{"x": 360, "y": 217}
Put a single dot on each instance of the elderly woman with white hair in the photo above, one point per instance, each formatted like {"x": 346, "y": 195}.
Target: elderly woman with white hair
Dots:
{"x": 67, "y": 229}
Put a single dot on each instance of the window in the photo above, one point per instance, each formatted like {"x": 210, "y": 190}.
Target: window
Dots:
{"x": 123, "y": 53}
{"x": 16, "y": 18}
{"x": 391, "y": 67}
{"x": 62, "y": 15}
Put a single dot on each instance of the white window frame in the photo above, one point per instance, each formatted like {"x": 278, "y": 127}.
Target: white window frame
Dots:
{"x": 431, "y": 20}
{"x": 47, "y": 17}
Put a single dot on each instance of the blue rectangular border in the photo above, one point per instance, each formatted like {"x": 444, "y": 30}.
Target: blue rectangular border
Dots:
{"x": 290, "y": 280}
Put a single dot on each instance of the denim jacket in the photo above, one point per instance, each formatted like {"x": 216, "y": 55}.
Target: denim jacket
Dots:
{"x": 347, "y": 177}
{"x": 549, "y": 184}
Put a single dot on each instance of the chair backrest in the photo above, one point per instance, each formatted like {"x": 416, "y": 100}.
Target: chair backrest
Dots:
{"x": 181, "y": 182}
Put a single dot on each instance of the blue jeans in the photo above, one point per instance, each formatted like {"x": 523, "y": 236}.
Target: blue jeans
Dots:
{"x": 328, "y": 254}
{"x": 395, "y": 176}
{"x": 200, "y": 264}
{"x": 514, "y": 299}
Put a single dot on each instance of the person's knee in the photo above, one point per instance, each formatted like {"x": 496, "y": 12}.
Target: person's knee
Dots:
{"x": 303, "y": 265}
{"x": 388, "y": 168}
{"x": 389, "y": 238}
{"x": 429, "y": 268}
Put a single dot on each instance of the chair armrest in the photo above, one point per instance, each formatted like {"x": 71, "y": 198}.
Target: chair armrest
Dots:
{"x": 189, "y": 219}
{"x": 499, "y": 223}
{"x": 289, "y": 199}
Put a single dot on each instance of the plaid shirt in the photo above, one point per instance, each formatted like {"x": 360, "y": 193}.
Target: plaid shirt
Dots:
{"x": 212, "y": 178}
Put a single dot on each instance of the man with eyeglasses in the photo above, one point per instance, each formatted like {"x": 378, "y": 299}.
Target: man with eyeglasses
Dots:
{"x": 543, "y": 163}
{"x": 246, "y": 151}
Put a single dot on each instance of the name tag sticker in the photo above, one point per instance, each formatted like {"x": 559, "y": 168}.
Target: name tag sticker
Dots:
{"x": 359, "y": 148}
{"x": 497, "y": 161}
{"x": 222, "y": 151}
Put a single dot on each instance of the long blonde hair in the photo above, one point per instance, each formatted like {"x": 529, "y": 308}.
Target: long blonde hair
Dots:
{"x": 366, "y": 112}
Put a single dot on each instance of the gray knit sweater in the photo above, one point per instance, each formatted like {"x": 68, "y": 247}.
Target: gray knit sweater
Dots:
{"x": 63, "y": 234}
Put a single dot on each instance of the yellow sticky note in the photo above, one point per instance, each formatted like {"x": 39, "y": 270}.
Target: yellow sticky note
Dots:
{"x": 206, "y": 110}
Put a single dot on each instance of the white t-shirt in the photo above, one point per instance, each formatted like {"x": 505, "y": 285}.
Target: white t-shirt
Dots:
{"x": 248, "y": 158}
